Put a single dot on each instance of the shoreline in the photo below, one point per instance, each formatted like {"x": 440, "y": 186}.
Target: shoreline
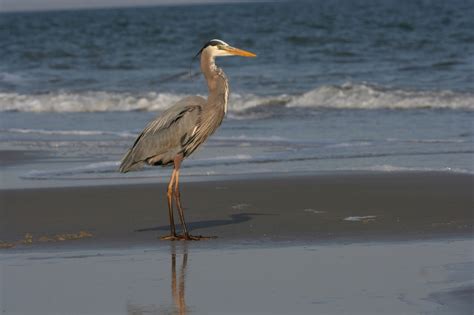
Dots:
{"x": 35, "y": 169}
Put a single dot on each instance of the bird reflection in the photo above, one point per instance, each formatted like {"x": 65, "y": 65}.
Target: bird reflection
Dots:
{"x": 178, "y": 280}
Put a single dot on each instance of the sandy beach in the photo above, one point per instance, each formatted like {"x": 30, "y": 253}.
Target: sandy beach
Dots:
{"x": 331, "y": 207}
{"x": 357, "y": 243}
{"x": 323, "y": 243}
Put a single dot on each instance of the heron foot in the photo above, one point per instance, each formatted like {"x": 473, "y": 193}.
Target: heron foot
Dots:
{"x": 185, "y": 237}
{"x": 170, "y": 237}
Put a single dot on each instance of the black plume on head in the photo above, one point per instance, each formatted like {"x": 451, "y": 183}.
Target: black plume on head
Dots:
{"x": 212, "y": 42}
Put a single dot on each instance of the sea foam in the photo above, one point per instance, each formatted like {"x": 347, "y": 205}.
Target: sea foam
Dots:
{"x": 364, "y": 96}
{"x": 86, "y": 102}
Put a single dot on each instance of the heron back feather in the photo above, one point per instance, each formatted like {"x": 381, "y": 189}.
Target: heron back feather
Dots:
{"x": 166, "y": 136}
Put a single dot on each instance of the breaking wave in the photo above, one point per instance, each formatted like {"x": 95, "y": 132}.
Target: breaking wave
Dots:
{"x": 346, "y": 96}
{"x": 393, "y": 169}
{"x": 86, "y": 102}
{"x": 365, "y": 96}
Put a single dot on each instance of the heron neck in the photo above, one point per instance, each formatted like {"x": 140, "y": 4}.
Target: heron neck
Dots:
{"x": 216, "y": 83}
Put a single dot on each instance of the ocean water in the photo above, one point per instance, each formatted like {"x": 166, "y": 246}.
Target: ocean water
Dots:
{"x": 336, "y": 86}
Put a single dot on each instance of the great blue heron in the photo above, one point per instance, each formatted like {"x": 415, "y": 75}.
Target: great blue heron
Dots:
{"x": 181, "y": 129}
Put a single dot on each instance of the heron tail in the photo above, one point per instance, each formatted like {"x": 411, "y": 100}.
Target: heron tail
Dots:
{"x": 128, "y": 163}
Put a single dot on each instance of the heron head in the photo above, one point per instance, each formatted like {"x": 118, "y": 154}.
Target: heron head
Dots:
{"x": 219, "y": 48}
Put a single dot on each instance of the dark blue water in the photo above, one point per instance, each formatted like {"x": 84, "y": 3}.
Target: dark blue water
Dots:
{"x": 426, "y": 45}
{"x": 337, "y": 85}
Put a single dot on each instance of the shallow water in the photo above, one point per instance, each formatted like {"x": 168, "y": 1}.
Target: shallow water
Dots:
{"x": 432, "y": 277}
{"x": 73, "y": 148}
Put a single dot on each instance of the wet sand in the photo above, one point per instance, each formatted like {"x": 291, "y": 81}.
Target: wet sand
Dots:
{"x": 331, "y": 207}
{"x": 372, "y": 243}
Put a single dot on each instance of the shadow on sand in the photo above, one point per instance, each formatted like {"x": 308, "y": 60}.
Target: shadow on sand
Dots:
{"x": 234, "y": 219}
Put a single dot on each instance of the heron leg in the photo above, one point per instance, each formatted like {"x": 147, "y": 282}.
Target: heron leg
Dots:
{"x": 186, "y": 236}
{"x": 173, "y": 235}
{"x": 177, "y": 195}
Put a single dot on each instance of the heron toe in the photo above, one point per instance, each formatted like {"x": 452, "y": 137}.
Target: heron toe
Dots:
{"x": 185, "y": 237}
{"x": 197, "y": 237}
{"x": 170, "y": 238}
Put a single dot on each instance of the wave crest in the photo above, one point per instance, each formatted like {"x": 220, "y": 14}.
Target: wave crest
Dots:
{"x": 346, "y": 96}
{"x": 86, "y": 102}
{"x": 364, "y": 96}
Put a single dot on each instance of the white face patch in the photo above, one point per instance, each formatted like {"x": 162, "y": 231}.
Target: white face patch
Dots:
{"x": 214, "y": 51}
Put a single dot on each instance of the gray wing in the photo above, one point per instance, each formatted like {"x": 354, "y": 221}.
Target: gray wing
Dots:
{"x": 165, "y": 137}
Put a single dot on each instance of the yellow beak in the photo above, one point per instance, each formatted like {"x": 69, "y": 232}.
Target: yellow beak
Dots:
{"x": 239, "y": 52}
